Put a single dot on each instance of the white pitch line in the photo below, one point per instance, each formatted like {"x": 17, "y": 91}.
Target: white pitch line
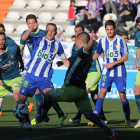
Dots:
{"x": 64, "y": 134}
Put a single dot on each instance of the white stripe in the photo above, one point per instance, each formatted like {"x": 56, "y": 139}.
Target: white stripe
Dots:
{"x": 35, "y": 57}
{"x": 119, "y": 67}
{"x": 103, "y": 46}
{"x": 125, "y": 47}
{"x": 111, "y": 59}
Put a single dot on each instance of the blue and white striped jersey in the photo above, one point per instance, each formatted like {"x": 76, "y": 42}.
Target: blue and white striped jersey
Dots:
{"x": 113, "y": 51}
{"x": 42, "y": 57}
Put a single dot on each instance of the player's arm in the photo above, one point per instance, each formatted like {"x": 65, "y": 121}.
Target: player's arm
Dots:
{"x": 93, "y": 37}
{"x": 137, "y": 45}
{"x": 21, "y": 62}
{"x": 21, "y": 50}
{"x": 1, "y": 83}
{"x": 60, "y": 63}
{"x": 27, "y": 33}
{"x": 66, "y": 62}
{"x": 124, "y": 52}
{"x": 95, "y": 56}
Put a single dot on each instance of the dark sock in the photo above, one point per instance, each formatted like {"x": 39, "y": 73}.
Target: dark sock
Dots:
{"x": 79, "y": 114}
{"x": 96, "y": 120}
{"x": 137, "y": 99}
{"x": 46, "y": 105}
{"x": 26, "y": 103}
{"x": 126, "y": 109}
{"x": 27, "y": 119}
{"x": 57, "y": 108}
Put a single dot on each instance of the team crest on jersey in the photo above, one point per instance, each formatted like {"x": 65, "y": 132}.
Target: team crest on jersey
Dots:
{"x": 23, "y": 90}
{"x": 117, "y": 45}
{"x": 11, "y": 55}
{"x": 103, "y": 84}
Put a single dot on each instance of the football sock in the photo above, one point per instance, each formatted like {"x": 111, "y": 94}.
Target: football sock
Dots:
{"x": 46, "y": 105}
{"x": 101, "y": 114}
{"x": 39, "y": 99}
{"x": 1, "y": 101}
{"x": 57, "y": 108}
{"x": 98, "y": 106}
{"x": 126, "y": 109}
{"x": 26, "y": 103}
{"x": 27, "y": 119}
{"x": 79, "y": 114}
{"x": 137, "y": 99}
{"x": 96, "y": 120}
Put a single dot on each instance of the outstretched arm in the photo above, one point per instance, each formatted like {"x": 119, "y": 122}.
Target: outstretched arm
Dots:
{"x": 93, "y": 37}
{"x": 27, "y": 33}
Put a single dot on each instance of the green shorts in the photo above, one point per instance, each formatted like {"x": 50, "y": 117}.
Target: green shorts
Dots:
{"x": 74, "y": 94}
{"x": 10, "y": 85}
{"x": 92, "y": 80}
{"x": 137, "y": 81}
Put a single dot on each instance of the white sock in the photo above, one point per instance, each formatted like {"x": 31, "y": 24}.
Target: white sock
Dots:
{"x": 1, "y": 101}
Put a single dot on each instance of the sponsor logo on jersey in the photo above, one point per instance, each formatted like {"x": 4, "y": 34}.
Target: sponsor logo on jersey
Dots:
{"x": 7, "y": 65}
{"x": 111, "y": 54}
{"x": 44, "y": 55}
{"x": 16, "y": 85}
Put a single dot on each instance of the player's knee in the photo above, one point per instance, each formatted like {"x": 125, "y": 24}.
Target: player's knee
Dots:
{"x": 123, "y": 97}
{"x": 47, "y": 96}
{"x": 137, "y": 90}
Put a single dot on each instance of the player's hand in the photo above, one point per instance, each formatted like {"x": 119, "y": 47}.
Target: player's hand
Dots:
{"x": 93, "y": 36}
{"x": 137, "y": 66}
{"x": 121, "y": 15}
{"x": 109, "y": 65}
{"x": 34, "y": 26}
{"x": 1, "y": 83}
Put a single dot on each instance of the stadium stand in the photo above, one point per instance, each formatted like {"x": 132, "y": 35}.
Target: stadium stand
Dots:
{"x": 45, "y": 16}
{"x": 9, "y": 28}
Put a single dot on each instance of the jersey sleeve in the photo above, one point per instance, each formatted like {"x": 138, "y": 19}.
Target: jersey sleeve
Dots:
{"x": 22, "y": 43}
{"x": 124, "y": 48}
{"x": 61, "y": 52}
{"x": 99, "y": 48}
{"x": 137, "y": 41}
{"x": 74, "y": 49}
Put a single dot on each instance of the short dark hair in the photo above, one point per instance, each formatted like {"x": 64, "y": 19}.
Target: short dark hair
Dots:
{"x": 138, "y": 20}
{"x": 1, "y": 25}
{"x": 2, "y": 33}
{"x": 73, "y": 36}
{"x": 79, "y": 25}
{"x": 71, "y": 2}
{"x": 52, "y": 25}
{"x": 31, "y": 16}
{"x": 84, "y": 37}
{"x": 110, "y": 22}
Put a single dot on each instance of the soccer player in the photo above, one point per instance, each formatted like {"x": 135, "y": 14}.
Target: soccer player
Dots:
{"x": 74, "y": 87}
{"x": 137, "y": 82}
{"x": 39, "y": 68}
{"x": 30, "y": 20}
{"x": 11, "y": 42}
{"x": 10, "y": 78}
{"x": 92, "y": 79}
{"x": 115, "y": 53}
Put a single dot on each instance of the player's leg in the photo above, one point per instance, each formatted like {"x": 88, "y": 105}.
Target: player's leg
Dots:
{"x": 1, "y": 102}
{"x": 83, "y": 103}
{"x": 137, "y": 97}
{"x": 105, "y": 83}
{"x": 121, "y": 87}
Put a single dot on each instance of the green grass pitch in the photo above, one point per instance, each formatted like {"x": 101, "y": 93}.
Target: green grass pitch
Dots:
{"x": 9, "y": 129}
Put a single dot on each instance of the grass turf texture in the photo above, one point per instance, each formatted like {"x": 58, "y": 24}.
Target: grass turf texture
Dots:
{"x": 9, "y": 129}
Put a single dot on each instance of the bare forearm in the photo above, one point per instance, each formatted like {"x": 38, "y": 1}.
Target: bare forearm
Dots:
{"x": 121, "y": 60}
{"x": 26, "y": 34}
{"x": 66, "y": 62}
{"x": 137, "y": 55}
{"x": 95, "y": 56}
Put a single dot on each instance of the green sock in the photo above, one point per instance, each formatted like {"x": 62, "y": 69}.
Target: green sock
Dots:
{"x": 39, "y": 99}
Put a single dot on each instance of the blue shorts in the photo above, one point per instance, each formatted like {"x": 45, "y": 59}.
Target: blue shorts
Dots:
{"x": 31, "y": 83}
{"x": 120, "y": 82}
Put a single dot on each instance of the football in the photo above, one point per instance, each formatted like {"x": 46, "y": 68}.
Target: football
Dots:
{"x": 20, "y": 111}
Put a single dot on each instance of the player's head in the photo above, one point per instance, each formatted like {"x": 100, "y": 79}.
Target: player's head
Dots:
{"x": 138, "y": 21}
{"x": 73, "y": 38}
{"x": 110, "y": 28}
{"x": 78, "y": 29}
{"x": 2, "y": 40}
{"x": 72, "y": 2}
{"x": 30, "y": 19}
{"x": 51, "y": 31}
{"x": 2, "y": 28}
{"x": 82, "y": 39}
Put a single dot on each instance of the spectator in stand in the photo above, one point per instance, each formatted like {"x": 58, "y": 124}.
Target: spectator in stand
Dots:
{"x": 126, "y": 13}
{"x": 107, "y": 5}
{"x": 126, "y": 38}
{"x": 115, "y": 6}
{"x": 59, "y": 36}
{"x": 73, "y": 38}
{"x": 93, "y": 10}
{"x": 138, "y": 8}
{"x": 71, "y": 12}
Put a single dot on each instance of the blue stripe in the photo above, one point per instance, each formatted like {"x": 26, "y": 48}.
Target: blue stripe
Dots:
{"x": 43, "y": 69}
{"x": 107, "y": 48}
